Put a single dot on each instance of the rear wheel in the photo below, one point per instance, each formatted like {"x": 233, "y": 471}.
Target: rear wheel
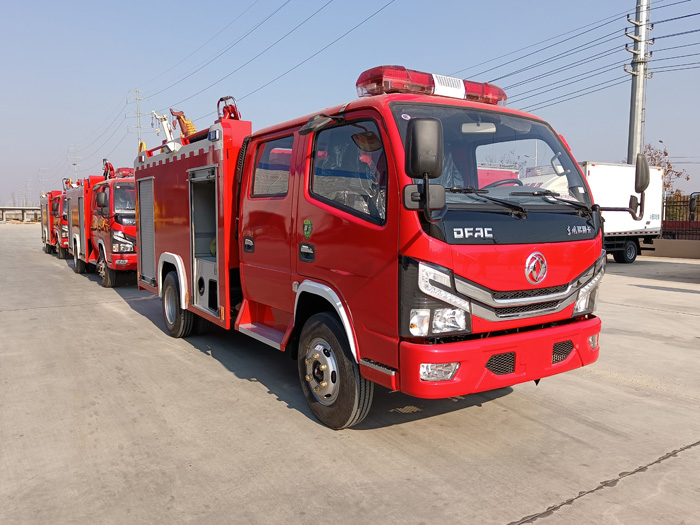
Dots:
{"x": 628, "y": 254}
{"x": 108, "y": 276}
{"x": 200, "y": 326}
{"x": 78, "y": 264}
{"x": 179, "y": 322}
{"x": 330, "y": 378}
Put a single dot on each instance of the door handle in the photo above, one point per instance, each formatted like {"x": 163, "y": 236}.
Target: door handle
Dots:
{"x": 307, "y": 252}
{"x": 248, "y": 245}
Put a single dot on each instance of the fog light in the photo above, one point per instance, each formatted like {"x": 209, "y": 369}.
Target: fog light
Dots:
{"x": 122, "y": 262}
{"x": 438, "y": 371}
{"x": 593, "y": 341}
{"x": 418, "y": 324}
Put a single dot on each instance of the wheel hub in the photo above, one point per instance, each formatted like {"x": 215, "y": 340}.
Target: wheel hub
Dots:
{"x": 322, "y": 371}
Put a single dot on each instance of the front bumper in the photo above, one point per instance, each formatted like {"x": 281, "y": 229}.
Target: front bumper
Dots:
{"x": 123, "y": 262}
{"x": 500, "y": 361}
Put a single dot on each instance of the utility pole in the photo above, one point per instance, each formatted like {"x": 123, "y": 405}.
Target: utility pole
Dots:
{"x": 138, "y": 99}
{"x": 639, "y": 77}
{"x": 75, "y": 161}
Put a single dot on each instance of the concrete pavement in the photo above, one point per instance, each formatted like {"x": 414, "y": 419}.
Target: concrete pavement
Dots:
{"x": 104, "y": 418}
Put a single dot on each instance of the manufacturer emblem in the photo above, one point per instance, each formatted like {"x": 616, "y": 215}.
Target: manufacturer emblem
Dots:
{"x": 535, "y": 268}
{"x": 308, "y": 228}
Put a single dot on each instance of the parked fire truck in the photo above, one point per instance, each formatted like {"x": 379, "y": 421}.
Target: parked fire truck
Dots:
{"x": 364, "y": 241}
{"x": 103, "y": 224}
{"x": 54, "y": 230}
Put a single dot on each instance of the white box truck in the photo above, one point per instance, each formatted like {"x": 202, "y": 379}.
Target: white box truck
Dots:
{"x": 611, "y": 186}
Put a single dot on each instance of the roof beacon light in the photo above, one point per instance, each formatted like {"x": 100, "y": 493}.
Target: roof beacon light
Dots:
{"x": 398, "y": 79}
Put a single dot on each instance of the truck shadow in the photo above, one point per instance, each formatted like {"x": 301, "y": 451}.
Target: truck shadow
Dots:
{"x": 253, "y": 361}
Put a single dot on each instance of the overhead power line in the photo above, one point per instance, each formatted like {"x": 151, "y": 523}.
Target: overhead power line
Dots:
{"x": 603, "y": 22}
{"x": 204, "y": 44}
{"x": 546, "y": 105}
{"x": 256, "y": 56}
{"x": 221, "y": 53}
{"x": 299, "y": 64}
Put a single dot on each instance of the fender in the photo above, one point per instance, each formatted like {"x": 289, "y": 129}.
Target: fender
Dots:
{"x": 329, "y": 295}
{"x": 175, "y": 260}
{"x": 101, "y": 244}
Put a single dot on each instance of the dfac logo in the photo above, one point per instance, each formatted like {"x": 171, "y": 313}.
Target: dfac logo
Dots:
{"x": 535, "y": 268}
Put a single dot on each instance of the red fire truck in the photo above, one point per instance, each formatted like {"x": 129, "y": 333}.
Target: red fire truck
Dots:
{"x": 78, "y": 202}
{"x": 103, "y": 223}
{"x": 54, "y": 232}
{"x": 362, "y": 240}
{"x": 48, "y": 235}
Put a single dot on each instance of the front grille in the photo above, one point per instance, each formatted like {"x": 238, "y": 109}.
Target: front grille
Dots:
{"x": 502, "y": 364}
{"x": 522, "y": 294}
{"x": 525, "y": 308}
{"x": 560, "y": 351}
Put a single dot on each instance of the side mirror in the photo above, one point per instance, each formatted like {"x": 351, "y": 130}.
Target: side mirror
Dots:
{"x": 101, "y": 200}
{"x": 634, "y": 204}
{"x": 641, "y": 178}
{"x": 54, "y": 207}
{"x": 424, "y": 148}
{"x": 413, "y": 198}
{"x": 104, "y": 211}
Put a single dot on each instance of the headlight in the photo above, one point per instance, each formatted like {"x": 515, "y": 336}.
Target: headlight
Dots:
{"x": 120, "y": 243}
{"x": 433, "y": 308}
{"x": 585, "y": 302}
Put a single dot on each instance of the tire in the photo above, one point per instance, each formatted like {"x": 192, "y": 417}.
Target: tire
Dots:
{"x": 108, "y": 277}
{"x": 78, "y": 264}
{"x": 48, "y": 248}
{"x": 62, "y": 252}
{"x": 346, "y": 398}
{"x": 178, "y": 322}
{"x": 628, "y": 254}
{"x": 201, "y": 326}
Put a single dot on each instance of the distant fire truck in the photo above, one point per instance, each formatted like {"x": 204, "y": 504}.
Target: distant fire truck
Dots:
{"x": 372, "y": 242}
{"x": 54, "y": 230}
{"x": 103, "y": 224}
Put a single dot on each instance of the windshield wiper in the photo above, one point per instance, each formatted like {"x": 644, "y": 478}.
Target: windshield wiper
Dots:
{"x": 520, "y": 210}
{"x": 581, "y": 208}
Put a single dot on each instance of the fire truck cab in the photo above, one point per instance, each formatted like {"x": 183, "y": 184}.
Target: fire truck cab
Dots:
{"x": 113, "y": 224}
{"x": 54, "y": 232}
{"x": 372, "y": 242}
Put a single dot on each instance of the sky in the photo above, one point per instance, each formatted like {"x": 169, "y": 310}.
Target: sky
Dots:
{"x": 72, "y": 71}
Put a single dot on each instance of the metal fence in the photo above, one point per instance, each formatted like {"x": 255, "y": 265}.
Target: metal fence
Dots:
{"x": 676, "y": 220}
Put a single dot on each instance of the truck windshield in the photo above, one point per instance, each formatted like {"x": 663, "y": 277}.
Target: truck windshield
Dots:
{"x": 497, "y": 155}
{"x": 124, "y": 197}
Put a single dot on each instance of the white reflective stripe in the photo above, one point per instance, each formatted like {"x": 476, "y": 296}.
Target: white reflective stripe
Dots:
{"x": 329, "y": 295}
{"x": 181, "y": 275}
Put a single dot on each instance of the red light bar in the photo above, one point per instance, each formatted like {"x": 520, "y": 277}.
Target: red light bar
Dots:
{"x": 398, "y": 79}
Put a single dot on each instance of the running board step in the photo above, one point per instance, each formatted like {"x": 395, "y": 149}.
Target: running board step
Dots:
{"x": 263, "y": 333}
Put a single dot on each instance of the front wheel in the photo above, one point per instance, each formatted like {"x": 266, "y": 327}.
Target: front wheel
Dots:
{"x": 179, "y": 322}
{"x": 108, "y": 277}
{"x": 628, "y": 254}
{"x": 330, "y": 378}
{"x": 62, "y": 252}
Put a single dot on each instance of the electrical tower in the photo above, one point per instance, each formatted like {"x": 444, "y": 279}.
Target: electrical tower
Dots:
{"x": 137, "y": 99}
{"x": 639, "y": 77}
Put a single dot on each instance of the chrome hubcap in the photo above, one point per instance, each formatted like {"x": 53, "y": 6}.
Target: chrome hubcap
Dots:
{"x": 170, "y": 305}
{"x": 321, "y": 371}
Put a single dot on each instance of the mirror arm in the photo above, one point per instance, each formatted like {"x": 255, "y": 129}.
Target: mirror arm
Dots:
{"x": 427, "y": 214}
{"x": 635, "y": 216}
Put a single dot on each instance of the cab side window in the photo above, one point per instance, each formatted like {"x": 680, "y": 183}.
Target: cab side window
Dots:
{"x": 350, "y": 169}
{"x": 273, "y": 160}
